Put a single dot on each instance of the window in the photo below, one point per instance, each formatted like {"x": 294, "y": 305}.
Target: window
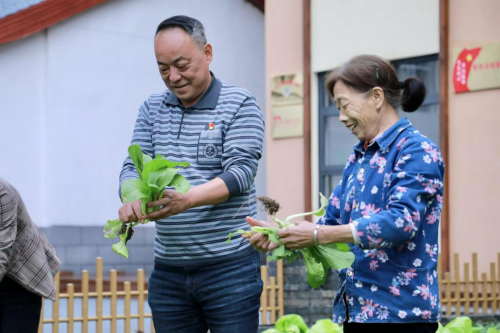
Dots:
{"x": 336, "y": 142}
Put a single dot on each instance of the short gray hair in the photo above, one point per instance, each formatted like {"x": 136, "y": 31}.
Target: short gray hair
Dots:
{"x": 192, "y": 26}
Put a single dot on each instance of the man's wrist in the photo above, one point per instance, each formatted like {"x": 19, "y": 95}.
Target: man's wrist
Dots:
{"x": 188, "y": 199}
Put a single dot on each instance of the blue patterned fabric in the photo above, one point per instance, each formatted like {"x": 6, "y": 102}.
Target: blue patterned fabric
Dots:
{"x": 392, "y": 191}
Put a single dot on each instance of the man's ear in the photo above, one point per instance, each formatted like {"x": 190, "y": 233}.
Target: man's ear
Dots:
{"x": 207, "y": 50}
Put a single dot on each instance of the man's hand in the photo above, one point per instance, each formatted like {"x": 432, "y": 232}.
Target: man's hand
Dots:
{"x": 298, "y": 237}
{"x": 260, "y": 241}
{"x": 131, "y": 212}
{"x": 172, "y": 203}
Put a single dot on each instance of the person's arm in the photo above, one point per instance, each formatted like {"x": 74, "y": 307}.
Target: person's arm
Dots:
{"x": 211, "y": 193}
{"x": 243, "y": 144}
{"x": 173, "y": 202}
{"x": 8, "y": 228}
{"x": 242, "y": 148}
{"x": 302, "y": 235}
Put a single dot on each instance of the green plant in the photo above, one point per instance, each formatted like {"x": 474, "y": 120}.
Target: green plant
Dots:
{"x": 154, "y": 175}
{"x": 486, "y": 328}
{"x": 463, "y": 324}
{"x": 318, "y": 259}
{"x": 295, "y": 324}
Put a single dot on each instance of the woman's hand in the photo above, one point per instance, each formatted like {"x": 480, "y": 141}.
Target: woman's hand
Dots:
{"x": 259, "y": 241}
{"x": 298, "y": 237}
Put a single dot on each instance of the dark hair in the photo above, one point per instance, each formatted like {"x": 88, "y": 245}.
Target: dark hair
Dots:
{"x": 365, "y": 72}
{"x": 192, "y": 26}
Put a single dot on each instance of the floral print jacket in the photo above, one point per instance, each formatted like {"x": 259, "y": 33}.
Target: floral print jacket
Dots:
{"x": 392, "y": 192}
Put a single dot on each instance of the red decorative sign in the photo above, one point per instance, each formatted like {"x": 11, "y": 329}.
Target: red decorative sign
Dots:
{"x": 476, "y": 68}
{"x": 463, "y": 66}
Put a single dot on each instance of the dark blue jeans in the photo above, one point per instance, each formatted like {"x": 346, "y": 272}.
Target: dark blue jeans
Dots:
{"x": 223, "y": 297}
{"x": 19, "y": 308}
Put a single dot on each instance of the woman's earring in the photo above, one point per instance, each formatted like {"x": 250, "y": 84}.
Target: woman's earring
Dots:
{"x": 378, "y": 109}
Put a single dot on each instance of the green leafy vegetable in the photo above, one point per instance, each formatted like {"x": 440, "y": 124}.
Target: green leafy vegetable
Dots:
{"x": 318, "y": 259}
{"x": 239, "y": 231}
{"x": 180, "y": 183}
{"x": 282, "y": 252}
{"x": 458, "y": 325}
{"x": 316, "y": 272}
{"x": 154, "y": 175}
{"x": 320, "y": 212}
{"x": 121, "y": 247}
{"x": 293, "y": 323}
{"x": 272, "y": 233}
{"x": 134, "y": 189}
{"x": 162, "y": 178}
{"x": 136, "y": 155}
{"x": 332, "y": 257}
{"x": 325, "y": 326}
{"x": 147, "y": 158}
{"x": 112, "y": 228}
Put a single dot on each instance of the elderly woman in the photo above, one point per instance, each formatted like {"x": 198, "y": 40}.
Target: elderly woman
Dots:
{"x": 387, "y": 206}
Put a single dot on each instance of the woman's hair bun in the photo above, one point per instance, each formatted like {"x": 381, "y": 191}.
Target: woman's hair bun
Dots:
{"x": 413, "y": 94}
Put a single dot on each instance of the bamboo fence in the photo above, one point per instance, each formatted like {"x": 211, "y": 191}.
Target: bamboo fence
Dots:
{"x": 272, "y": 306}
{"x": 464, "y": 293}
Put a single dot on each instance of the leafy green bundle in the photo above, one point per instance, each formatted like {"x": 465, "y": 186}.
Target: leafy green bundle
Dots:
{"x": 463, "y": 324}
{"x": 154, "y": 175}
{"x": 318, "y": 259}
{"x": 295, "y": 324}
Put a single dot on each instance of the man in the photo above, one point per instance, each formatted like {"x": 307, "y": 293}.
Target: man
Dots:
{"x": 28, "y": 264}
{"x": 199, "y": 282}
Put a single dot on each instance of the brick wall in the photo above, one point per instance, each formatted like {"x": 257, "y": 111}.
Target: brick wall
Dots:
{"x": 300, "y": 298}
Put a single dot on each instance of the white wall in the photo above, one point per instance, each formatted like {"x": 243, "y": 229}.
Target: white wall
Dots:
{"x": 341, "y": 29}
{"x": 69, "y": 98}
{"x": 22, "y": 102}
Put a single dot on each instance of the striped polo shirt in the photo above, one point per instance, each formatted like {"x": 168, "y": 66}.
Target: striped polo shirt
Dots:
{"x": 220, "y": 136}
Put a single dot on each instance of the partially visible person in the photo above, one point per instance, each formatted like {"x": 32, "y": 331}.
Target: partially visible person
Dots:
{"x": 387, "y": 206}
{"x": 28, "y": 264}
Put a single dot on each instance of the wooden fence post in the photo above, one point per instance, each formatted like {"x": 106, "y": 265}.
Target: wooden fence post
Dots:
{"x": 281, "y": 292}
{"x": 140, "y": 299}
{"x": 98, "y": 286}
{"x": 55, "y": 307}
{"x": 113, "y": 287}
{"x": 263, "y": 297}
{"x": 85, "y": 301}
{"x": 127, "y": 307}
{"x": 71, "y": 300}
